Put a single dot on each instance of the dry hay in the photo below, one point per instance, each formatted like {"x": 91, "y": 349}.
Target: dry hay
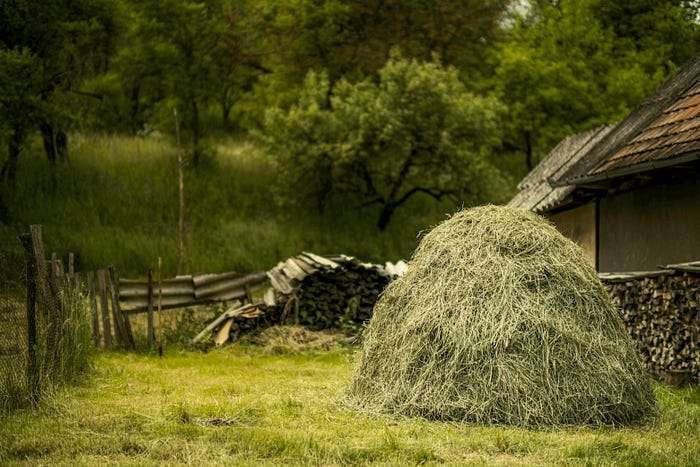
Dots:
{"x": 500, "y": 319}
{"x": 297, "y": 339}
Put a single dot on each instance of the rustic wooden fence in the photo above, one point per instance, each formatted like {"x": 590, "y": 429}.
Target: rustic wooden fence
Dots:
{"x": 49, "y": 337}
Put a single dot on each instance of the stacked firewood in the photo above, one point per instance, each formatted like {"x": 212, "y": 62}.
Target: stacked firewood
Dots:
{"x": 320, "y": 292}
{"x": 661, "y": 314}
{"x": 328, "y": 292}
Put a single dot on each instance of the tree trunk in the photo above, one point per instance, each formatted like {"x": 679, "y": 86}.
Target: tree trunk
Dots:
{"x": 326, "y": 187}
{"x": 528, "y": 151}
{"x": 62, "y": 147}
{"x": 55, "y": 144}
{"x": 136, "y": 122}
{"x": 196, "y": 134}
{"x": 10, "y": 168}
{"x": 48, "y": 139}
{"x": 385, "y": 216}
{"x": 226, "y": 105}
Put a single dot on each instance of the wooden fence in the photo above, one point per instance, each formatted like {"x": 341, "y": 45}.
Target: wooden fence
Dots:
{"x": 112, "y": 299}
{"x": 55, "y": 331}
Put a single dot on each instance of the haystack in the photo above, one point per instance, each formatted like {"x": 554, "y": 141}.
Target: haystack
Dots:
{"x": 500, "y": 319}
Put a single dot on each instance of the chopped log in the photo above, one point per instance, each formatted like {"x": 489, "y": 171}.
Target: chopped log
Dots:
{"x": 660, "y": 314}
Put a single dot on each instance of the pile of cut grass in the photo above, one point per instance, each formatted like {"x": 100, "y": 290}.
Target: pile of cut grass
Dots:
{"x": 500, "y": 320}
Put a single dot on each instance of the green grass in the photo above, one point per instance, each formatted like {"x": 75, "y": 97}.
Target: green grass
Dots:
{"x": 248, "y": 405}
{"x": 117, "y": 203}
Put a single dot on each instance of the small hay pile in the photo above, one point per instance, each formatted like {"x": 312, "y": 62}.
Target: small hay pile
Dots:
{"x": 500, "y": 320}
{"x": 297, "y": 339}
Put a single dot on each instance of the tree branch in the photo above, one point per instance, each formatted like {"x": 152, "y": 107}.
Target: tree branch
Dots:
{"x": 99, "y": 97}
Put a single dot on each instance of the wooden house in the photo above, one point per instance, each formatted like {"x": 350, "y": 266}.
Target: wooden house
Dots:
{"x": 629, "y": 193}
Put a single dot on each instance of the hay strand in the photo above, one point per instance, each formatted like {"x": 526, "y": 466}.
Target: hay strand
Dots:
{"x": 500, "y": 319}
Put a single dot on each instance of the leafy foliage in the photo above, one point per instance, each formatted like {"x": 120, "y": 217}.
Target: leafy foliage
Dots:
{"x": 418, "y": 130}
{"x": 49, "y": 48}
{"x": 571, "y": 65}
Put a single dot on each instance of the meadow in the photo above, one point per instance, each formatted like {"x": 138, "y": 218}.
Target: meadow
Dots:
{"x": 117, "y": 203}
{"x": 272, "y": 404}
{"x": 254, "y": 402}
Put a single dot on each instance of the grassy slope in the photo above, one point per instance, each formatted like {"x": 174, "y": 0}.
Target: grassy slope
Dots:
{"x": 249, "y": 406}
{"x": 117, "y": 204}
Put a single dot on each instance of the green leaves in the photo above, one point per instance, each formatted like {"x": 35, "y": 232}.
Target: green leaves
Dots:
{"x": 572, "y": 65}
{"x": 417, "y": 130}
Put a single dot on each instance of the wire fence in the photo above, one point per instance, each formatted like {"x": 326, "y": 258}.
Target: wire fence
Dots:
{"x": 13, "y": 345}
{"x": 45, "y": 335}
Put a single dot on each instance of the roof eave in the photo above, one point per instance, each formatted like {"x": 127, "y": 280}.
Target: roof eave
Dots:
{"x": 629, "y": 170}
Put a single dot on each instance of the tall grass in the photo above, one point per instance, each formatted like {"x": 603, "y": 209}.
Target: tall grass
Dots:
{"x": 59, "y": 360}
{"x": 117, "y": 204}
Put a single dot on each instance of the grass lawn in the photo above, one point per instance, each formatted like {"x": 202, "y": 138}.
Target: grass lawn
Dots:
{"x": 252, "y": 405}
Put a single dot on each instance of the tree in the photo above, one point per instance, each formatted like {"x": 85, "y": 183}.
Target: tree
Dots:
{"x": 570, "y": 65}
{"x": 352, "y": 39}
{"x": 68, "y": 40}
{"x": 168, "y": 60}
{"x": 21, "y": 79}
{"x": 417, "y": 130}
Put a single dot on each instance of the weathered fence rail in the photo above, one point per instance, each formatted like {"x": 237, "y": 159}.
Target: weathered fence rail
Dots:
{"x": 189, "y": 290}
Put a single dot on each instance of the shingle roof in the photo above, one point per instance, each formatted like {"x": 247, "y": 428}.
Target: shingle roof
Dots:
{"x": 662, "y": 131}
{"x": 536, "y": 191}
{"x": 675, "y": 132}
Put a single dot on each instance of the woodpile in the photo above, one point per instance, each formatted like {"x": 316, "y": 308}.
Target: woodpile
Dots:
{"x": 320, "y": 292}
{"x": 327, "y": 292}
{"x": 660, "y": 310}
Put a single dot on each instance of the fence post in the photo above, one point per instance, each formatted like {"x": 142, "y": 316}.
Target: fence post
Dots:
{"x": 32, "y": 367}
{"x": 120, "y": 318}
{"x": 70, "y": 274}
{"x": 93, "y": 306}
{"x": 151, "y": 331}
{"x": 105, "y": 308}
{"x": 50, "y": 304}
{"x": 40, "y": 263}
{"x": 57, "y": 315}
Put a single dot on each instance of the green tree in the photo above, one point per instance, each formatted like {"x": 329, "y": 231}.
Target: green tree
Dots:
{"x": 21, "y": 79}
{"x": 416, "y": 130}
{"x": 168, "y": 61}
{"x": 571, "y": 65}
{"x": 187, "y": 54}
{"x": 68, "y": 41}
{"x": 352, "y": 39}
{"x": 239, "y": 58}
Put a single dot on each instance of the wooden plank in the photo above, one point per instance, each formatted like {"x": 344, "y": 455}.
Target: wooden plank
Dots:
{"x": 223, "y": 334}
{"x": 93, "y": 306}
{"x": 160, "y": 306}
{"x": 117, "y": 323}
{"x": 121, "y": 318}
{"x": 320, "y": 260}
{"x": 102, "y": 291}
{"x": 305, "y": 264}
{"x": 279, "y": 281}
{"x": 230, "y": 313}
{"x": 269, "y": 298}
{"x": 41, "y": 268}
{"x": 151, "y": 331}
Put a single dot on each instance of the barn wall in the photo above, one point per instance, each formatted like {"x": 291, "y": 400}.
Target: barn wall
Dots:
{"x": 650, "y": 226}
{"x": 579, "y": 224}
